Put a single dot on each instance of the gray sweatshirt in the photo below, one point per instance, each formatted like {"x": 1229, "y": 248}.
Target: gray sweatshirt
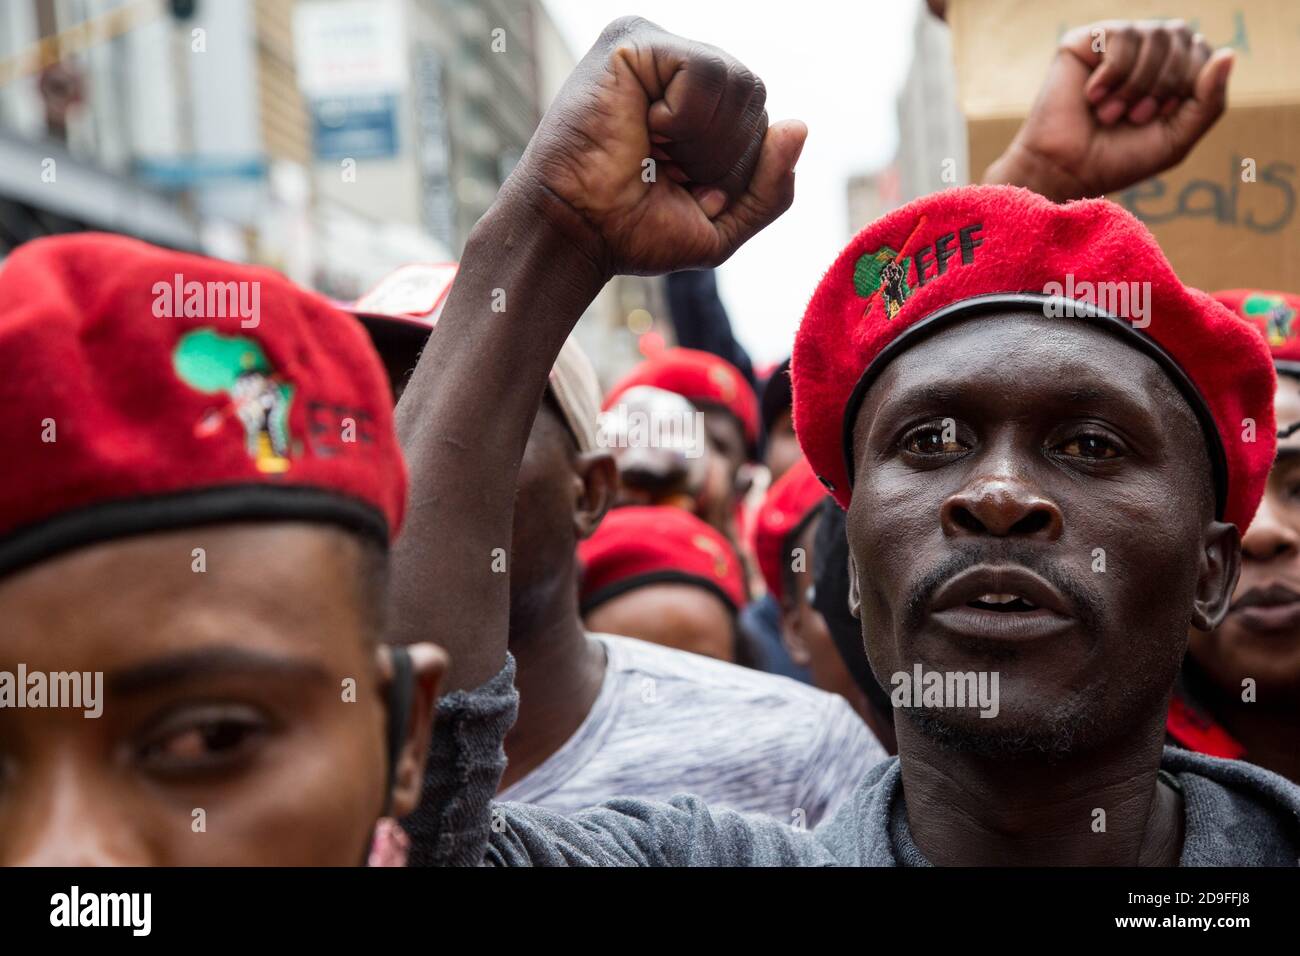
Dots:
{"x": 1237, "y": 814}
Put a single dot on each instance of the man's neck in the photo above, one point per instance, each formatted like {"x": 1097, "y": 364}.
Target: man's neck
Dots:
{"x": 1101, "y": 807}
{"x": 559, "y": 672}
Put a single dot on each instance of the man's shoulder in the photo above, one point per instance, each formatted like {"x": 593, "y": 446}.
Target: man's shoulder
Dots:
{"x": 632, "y": 658}
{"x": 1237, "y": 813}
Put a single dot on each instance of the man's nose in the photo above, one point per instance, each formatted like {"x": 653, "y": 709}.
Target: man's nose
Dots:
{"x": 1269, "y": 537}
{"x": 1002, "y": 505}
{"x": 71, "y": 821}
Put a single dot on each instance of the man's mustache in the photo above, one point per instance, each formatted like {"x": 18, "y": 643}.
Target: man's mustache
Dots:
{"x": 1085, "y": 603}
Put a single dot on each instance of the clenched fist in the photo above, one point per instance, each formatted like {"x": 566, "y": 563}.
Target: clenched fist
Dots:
{"x": 657, "y": 154}
{"x": 1122, "y": 102}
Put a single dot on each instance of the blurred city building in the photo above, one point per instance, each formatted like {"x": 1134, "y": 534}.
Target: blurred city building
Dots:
{"x": 79, "y": 110}
{"x": 932, "y": 145}
{"x": 871, "y": 195}
{"x": 331, "y": 139}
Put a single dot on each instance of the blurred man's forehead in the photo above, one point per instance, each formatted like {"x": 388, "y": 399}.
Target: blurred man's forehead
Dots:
{"x": 167, "y": 614}
{"x": 241, "y": 568}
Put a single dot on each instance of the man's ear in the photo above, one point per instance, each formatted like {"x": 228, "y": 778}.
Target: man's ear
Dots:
{"x": 855, "y": 599}
{"x": 1220, "y": 567}
{"x": 599, "y": 475}
{"x": 429, "y": 666}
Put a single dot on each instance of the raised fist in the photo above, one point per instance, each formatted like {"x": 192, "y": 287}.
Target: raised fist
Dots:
{"x": 657, "y": 155}
{"x": 1122, "y": 102}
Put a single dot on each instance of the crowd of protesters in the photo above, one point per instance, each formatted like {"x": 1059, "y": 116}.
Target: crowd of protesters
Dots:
{"x": 398, "y": 584}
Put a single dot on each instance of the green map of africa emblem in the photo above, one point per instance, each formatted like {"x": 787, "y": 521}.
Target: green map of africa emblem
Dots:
{"x": 1277, "y": 313}
{"x": 214, "y": 364}
{"x": 882, "y": 271}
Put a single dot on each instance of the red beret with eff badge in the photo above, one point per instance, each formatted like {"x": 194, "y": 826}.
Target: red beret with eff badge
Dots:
{"x": 637, "y": 546}
{"x": 1274, "y": 314}
{"x": 147, "y": 390}
{"x": 972, "y": 250}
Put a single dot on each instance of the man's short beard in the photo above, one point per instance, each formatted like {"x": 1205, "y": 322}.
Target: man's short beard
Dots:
{"x": 1069, "y": 724}
{"x": 1067, "y": 727}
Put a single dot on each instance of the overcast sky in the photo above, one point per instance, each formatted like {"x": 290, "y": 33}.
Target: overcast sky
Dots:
{"x": 836, "y": 65}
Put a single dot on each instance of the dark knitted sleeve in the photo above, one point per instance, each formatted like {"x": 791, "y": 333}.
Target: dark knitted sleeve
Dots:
{"x": 630, "y": 832}
{"x": 466, "y": 759}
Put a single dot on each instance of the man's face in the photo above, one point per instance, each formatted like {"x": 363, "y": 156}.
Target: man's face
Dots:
{"x": 560, "y": 497}
{"x": 1033, "y": 499}
{"x": 682, "y": 616}
{"x": 782, "y": 446}
{"x": 805, "y": 632}
{"x": 544, "y": 535}
{"x": 228, "y": 733}
{"x": 729, "y": 477}
{"x": 727, "y": 441}
{"x": 1260, "y": 637}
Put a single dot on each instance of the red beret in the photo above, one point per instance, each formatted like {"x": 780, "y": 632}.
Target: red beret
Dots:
{"x": 637, "y": 546}
{"x": 786, "y": 506}
{"x": 700, "y": 377}
{"x": 146, "y": 389}
{"x": 1273, "y": 314}
{"x": 976, "y": 249}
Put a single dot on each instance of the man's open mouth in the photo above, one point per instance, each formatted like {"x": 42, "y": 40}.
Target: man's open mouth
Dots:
{"x": 1000, "y": 602}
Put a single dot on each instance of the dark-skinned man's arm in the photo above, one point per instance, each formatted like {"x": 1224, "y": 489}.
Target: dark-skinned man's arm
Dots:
{"x": 656, "y": 156}
{"x": 1123, "y": 101}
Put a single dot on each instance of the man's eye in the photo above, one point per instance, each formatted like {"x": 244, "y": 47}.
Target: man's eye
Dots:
{"x": 1094, "y": 447}
{"x": 202, "y": 741}
{"x": 932, "y": 440}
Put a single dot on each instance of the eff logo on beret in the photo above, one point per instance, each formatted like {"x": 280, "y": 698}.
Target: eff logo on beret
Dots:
{"x": 1276, "y": 313}
{"x": 236, "y": 367}
{"x": 885, "y": 272}
{"x": 710, "y": 547}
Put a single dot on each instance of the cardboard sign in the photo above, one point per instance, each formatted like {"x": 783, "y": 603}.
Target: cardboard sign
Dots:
{"x": 1229, "y": 214}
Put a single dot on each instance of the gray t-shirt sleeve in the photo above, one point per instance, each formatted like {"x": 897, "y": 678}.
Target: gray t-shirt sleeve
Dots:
{"x": 457, "y": 824}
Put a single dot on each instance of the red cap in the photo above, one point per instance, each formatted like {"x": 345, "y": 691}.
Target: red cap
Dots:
{"x": 638, "y": 546}
{"x": 1273, "y": 314}
{"x": 146, "y": 389}
{"x": 787, "y": 504}
{"x": 1002, "y": 247}
{"x": 700, "y": 377}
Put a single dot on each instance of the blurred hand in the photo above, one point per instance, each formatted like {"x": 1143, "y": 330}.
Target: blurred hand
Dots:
{"x": 657, "y": 155}
{"x": 1122, "y": 102}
